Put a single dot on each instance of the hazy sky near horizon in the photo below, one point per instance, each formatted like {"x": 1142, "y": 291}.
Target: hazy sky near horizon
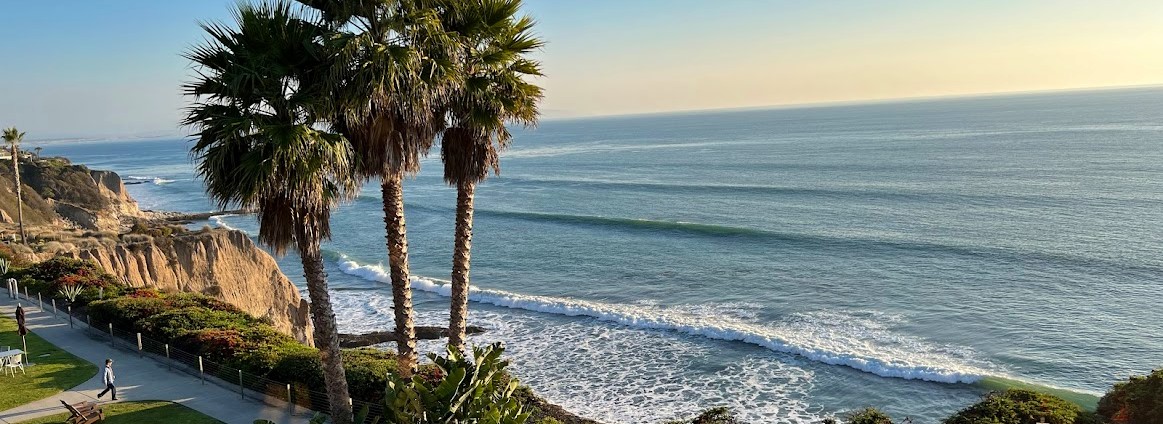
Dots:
{"x": 112, "y": 68}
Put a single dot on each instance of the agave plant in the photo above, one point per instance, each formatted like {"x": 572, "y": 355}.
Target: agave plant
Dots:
{"x": 71, "y": 292}
{"x": 4, "y": 264}
{"x": 471, "y": 391}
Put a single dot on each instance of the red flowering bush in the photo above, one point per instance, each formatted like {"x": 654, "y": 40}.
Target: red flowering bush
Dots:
{"x": 144, "y": 293}
{"x": 216, "y": 345}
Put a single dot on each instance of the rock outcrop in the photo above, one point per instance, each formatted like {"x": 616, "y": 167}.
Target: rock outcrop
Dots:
{"x": 221, "y": 263}
{"x": 58, "y": 192}
{"x": 423, "y": 332}
{"x": 109, "y": 184}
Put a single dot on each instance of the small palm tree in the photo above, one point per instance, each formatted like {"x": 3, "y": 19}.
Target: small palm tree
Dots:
{"x": 259, "y": 104}
{"x": 37, "y": 152}
{"x": 13, "y": 138}
{"x": 494, "y": 64}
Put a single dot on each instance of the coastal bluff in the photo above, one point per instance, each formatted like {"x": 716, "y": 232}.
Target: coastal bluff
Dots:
{"x": 58, "y": 193}
{"x": 224, "y": 264}
{"x": 77, "y": 212}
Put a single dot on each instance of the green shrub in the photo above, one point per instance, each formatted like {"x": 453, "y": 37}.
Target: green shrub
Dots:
{"x": 172, "y": 324}
{"x": 53, "y": 269}
{"x": 188, "y": 300}
{"x": 367, "y": 370}
{"x": 35, "y": 286}
{"x": 214, "y": 344}
{"x": 299, "y": 366}
{"x": 717, "y": 415}
{"x": 126, "y": 312}
{"x": 1137, "y": 400}
{"x": 476, "y": 390}
{"x": 868, "y": 415}
{"x": 1018, "y": 406}
{"x": 53, "y": 275}
{"x": 143, "y": 292}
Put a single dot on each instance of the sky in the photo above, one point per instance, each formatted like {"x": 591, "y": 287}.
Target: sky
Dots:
{"x": 73, "y": 68}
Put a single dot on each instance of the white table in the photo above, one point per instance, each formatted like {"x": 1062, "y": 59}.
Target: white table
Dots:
{"x": 8, "y": 354}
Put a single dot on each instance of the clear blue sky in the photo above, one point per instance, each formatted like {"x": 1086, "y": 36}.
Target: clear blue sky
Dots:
{"x": 76, "y": 68}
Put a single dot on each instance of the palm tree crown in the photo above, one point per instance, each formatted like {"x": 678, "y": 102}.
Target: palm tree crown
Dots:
{"x": 260, "y": 144}
{"x": 495, "y": 91}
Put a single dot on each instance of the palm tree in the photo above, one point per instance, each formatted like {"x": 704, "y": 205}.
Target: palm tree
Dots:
{"x": 13, "y": 138}
{"x": 392, "y": 72}
{"x": 37, "y": 152}
{"x": 258, "y": 107}
{"x": 494, "y": 64}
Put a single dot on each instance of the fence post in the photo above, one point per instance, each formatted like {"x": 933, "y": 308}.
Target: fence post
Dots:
{"x": 88, "y": 322}
{"x": 240, "y": 392}
{"x": 290, "y": 399}
{"x": 70, "y": 307}
{"x": 26, "y": 293}
{"x": 54, "y": 306}
{"x": 140, "y": 351}
{"x": 169, "y": 363}
{"x": 111, "y": 340}
{"x": 201, "y": 371}
{"x": 40, "y": 300}
{"x": 15, "y": 289}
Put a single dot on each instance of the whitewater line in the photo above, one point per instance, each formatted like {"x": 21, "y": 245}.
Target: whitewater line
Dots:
{"x": 638, "y": 318}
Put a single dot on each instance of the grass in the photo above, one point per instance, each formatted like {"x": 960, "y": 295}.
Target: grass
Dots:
{"x": 139, "y": 412}
{"x": 54, "y": 371}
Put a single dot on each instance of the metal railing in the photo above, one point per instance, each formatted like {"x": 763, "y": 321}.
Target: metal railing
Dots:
{"x": 297, "y": 397}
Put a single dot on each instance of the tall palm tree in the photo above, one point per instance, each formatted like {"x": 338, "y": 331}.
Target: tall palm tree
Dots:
{"x": 495, "y": 66}
{"x": 259, "y": 105}
{"x": 392, "y": 74}
{"x": 13, "y": 138}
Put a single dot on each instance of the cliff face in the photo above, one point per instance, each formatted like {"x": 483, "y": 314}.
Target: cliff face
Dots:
{"x": 219, "y": 263}
{"x": 109, "y": 184}
{"x": 55, "y": 189}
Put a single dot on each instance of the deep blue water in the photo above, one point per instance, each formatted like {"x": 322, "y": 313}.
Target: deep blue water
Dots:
{"x": 792, "y": 263}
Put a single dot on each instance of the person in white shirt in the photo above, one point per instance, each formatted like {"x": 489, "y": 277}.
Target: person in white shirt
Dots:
{"x": 108, "y": 379}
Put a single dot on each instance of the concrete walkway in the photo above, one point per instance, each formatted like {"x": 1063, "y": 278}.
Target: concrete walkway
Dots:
{"x": 138, "y": 378}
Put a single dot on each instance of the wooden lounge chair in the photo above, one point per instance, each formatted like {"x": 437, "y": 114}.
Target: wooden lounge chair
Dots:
{"x": 84, "y": 413}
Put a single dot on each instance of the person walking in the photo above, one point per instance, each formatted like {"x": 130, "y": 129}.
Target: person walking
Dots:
{"x": 108, "y": 379}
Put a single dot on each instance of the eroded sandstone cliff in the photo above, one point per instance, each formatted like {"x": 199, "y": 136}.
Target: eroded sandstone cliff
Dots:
{"x": 221, "y": 263}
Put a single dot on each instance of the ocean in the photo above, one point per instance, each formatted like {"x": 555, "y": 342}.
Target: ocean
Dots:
{"x": 792, "y": 263}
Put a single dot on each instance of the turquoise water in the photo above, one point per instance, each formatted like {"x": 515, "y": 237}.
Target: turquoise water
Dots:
{"x": 792, "y": 263}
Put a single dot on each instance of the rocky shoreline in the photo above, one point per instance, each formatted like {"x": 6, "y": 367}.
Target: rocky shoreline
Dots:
{"x": 423, "y": 332}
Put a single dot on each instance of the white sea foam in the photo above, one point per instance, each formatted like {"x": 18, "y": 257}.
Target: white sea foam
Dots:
{"x": 616, "y": 374}
{"x": 220, "y": 223}
{"x": 860, "y": 340}
{"x": 155, "y": 180}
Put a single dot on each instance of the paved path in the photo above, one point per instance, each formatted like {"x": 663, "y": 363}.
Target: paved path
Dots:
{"x": 138, "y": 378}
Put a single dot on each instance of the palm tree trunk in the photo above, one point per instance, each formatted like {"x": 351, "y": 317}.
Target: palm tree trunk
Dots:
{"x": 19, "y": 198}
{"x": 326, "y": 333}
{"x": 461, "y": 259}
{"x": 397, "y": 239}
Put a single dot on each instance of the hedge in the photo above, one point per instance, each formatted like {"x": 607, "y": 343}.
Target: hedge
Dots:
{"x": 1137, "y": 400}
{"x": 223, "y": 334}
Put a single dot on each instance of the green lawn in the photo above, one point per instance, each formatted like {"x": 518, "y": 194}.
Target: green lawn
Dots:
{"x": 54, "y": 370}
{"x": 139, "y": 412}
